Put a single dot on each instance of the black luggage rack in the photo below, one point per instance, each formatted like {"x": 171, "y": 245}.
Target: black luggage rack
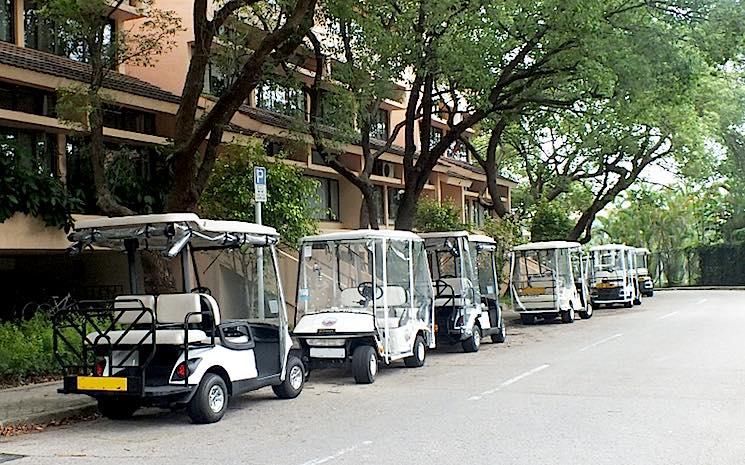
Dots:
{"x": 98, "y": 318}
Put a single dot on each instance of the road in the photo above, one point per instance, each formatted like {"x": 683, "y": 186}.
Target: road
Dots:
{"x": 663, "y": 383}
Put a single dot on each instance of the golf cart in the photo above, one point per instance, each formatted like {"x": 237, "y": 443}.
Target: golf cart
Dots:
{"x": 194, "y": 348}
{"x": 646, "y": 285}
{"x": 466, "y": 288}
{"x": 364, "y": 297}
{"x": 547, "y": 280}
{"x": 613, "y": 276}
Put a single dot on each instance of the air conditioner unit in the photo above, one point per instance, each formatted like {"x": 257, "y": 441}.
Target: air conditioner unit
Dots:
{"x": 389, "y": 170}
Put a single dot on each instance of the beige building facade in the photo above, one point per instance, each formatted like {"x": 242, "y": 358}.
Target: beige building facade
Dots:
{"x": 35, "y": 65}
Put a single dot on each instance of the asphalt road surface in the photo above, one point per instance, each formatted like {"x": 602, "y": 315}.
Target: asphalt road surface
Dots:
{"x": 663, "y": 383}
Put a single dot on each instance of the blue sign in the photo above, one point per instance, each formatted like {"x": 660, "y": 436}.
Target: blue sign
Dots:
{"x": 259, "y": 184}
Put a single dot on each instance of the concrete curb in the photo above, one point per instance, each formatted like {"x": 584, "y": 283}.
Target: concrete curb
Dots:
{"x": 50, "y": 416}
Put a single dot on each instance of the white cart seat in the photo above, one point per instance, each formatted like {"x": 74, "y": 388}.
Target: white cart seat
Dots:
{"x": 162, "y": 337}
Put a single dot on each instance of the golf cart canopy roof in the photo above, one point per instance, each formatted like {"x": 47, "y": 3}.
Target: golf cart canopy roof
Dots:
{"x": 610, "y": 247}
{"x": 550, "y": 245}
{"x": 471, "y": 237}
{"x": 169, "y": 233}
{"x": 361, "y": 234}
{"x": 643, "y": 250}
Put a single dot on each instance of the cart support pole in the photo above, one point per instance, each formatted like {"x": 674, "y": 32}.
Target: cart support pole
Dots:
{"x": 130, "y": 246}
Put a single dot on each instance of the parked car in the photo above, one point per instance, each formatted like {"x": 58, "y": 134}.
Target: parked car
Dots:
{"x": 364, "y": 298}
{"x": 464, "y": 275}
{"x": 547, "y": 280}
{"x": 193, "y": 348}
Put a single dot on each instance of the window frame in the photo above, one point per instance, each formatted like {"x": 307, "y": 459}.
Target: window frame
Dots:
{"x": 332, "y": 212}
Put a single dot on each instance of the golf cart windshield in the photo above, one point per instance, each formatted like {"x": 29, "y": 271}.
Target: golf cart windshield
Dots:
{"x": 539, "y": 271}
{"x": 362, "y": 276}
{"x": 486, "y": 268}
{"x": 608, "y": 260}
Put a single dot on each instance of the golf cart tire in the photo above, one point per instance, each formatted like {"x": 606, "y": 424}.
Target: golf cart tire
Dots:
{"x": 415, "y": 361}
{"x": 567, "y": 317}
{"x": 587, "y": 313}
{"x": 473, "y": 343}
{"x": 117, "y": 408}
{"x": 361, "y": 361}
{"x": 638, "y": 301}
{"x": 198, "y": 407}
{"x": 501, "y": 335}
{"x": 649, "y": 294}
{"x": 628, "y": 304}
{"x": 527, "y": 318}
{"x": 286, "y": 390}
{"x": 595, "y": 306}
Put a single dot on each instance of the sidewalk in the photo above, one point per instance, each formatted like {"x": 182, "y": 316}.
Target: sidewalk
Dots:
{"x": 40, "y": 403}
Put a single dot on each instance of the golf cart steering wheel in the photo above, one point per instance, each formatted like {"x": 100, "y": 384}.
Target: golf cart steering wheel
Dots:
{"x": 366, "y": 290}
{"x": 201, "y": 290}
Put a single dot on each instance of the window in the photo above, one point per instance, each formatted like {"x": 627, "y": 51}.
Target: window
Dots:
{"x": 216, "y": 81}
{"x": 379, "y": 125}
{"x": 128, "y": 119}
{"x": 435, "y": 135}
{"x": 458, "y": 151}
{"x": 327, "y": 202}
{"x": 26, "y": 146}
{"x": 27, "y": 100}
{"x": 394, "y": 199}
{"x": 281, "y": 99}
{"x": 476, "y": 213}
{"x": 43, "y": 34}
{"x": 7, "y": 23}
{"x": 273, "y": 148}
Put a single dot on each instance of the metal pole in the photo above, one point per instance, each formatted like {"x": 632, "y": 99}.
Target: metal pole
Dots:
{"x": 260, "y": 268}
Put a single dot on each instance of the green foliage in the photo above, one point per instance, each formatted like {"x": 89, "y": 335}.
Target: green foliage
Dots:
{"x": 289, "y": 207}
{"x": 26, "y": 348}
{"x": 432, "y": 216}
{"x": 27, "y": 188}
{"x": 550, "y": 222}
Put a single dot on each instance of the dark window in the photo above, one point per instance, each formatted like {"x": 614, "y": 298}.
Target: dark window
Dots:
{"x": 316, "y": 158}
{"x": 394, "y": 199}
{"x": 379, "y": 125}
{"x": 216, "y": 81}
{"x": 476, "y": 213}
{"x": 26, "y": 146}
{"x": 47, "y": 36}
{"x": 281, "y": 99}
{"x": 128, "y": 119}
{"x": 27, "y": 99}
{"x": 327, "y": 203}
{"x": 7, "y": 21}
{"x": 380, "y": 191}
{"x": 273, "y": 148}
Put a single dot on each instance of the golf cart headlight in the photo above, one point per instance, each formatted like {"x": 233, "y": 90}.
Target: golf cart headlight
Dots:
{"x": 325, "y": 342}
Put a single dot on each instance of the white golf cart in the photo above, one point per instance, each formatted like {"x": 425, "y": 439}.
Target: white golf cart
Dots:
{"x": 547, "y": 280}
{"x": 613, "y": 276}
{"x": 466, "y": 288}
{"x": 181, "y": 349}
{"x": 363, "y": 297}
{"x": 646, "y": 285}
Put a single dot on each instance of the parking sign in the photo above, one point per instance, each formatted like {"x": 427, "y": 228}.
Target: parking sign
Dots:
{"x": 259, "y": 184}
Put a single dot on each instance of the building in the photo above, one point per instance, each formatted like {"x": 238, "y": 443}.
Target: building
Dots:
{"x": 35, "y": 64}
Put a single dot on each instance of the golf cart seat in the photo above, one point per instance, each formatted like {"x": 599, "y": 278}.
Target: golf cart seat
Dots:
{"x": 171, "y": 313}
{"x": 396, "y": 299}
{"x": 457, "y": 299}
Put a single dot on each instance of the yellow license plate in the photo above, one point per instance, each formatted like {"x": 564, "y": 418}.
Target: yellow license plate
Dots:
{"x": 101, "y": 383}
{"x": 605, "y": 286}
{"x": 534, "y": 290}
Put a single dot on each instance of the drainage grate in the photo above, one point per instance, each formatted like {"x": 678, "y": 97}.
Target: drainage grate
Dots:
{"x": 9, "y": 457}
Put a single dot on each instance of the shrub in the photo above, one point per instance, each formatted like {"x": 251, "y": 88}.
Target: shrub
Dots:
{"x": 432, "y": 217}
{"x": 26, "y": 349}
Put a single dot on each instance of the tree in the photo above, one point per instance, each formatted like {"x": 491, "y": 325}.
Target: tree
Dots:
{"x": 229, "y": 192}
{"x": 432, "y": 216}
{"x": 85, "y": 26}
{"x": 549, "y": 223}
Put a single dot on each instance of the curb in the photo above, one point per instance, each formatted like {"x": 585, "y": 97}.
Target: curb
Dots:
{"x": 50, "y": 416}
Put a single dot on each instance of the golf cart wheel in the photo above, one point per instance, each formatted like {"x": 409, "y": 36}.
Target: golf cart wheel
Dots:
{"x": 294, "y": 379}
{"x": 587, "y": 313}
{"x": 638, "y": 301}
{"x": 567, "y": 316}
{"x": 501, "y": 336}
{"x": 420, "y": 351}
{"x": 210, "y": 401}
{"x": 527, "y": 318}
{"x": 364, "y": 364}
{"x": 595, "y": 306}
{"x": 649, "y": 294}
{"x": 473, "y": 343}
{"x": 117, "y": 408}
{"x": 628, "y": 304}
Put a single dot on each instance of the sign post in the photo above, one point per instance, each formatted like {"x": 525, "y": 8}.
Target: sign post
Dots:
{"x": 260, "y": 198}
